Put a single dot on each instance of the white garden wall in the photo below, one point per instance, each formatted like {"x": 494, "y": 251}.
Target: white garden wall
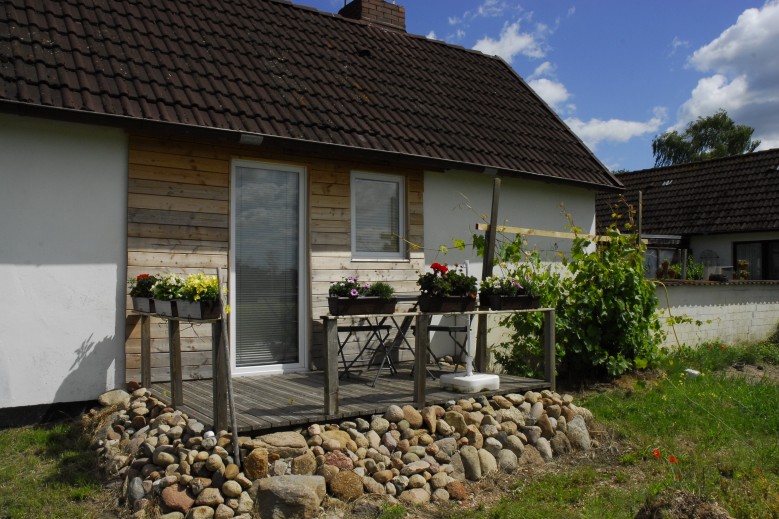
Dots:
{"x": 63, "y": 214}
{"x": 731, "y": 312}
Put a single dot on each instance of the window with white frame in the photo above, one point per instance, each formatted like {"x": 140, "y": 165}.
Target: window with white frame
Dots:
{"x": 378, "y": 216}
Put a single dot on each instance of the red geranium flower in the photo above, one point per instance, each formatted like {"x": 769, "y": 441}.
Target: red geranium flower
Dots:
{"x": 673, "y": 459}
{"x": 141, "y": 276}
{"x": 443, "y": 269}
{"x": 656, "y": 453}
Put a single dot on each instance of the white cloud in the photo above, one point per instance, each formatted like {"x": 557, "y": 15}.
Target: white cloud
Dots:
{"x": 553, "y": 92}
{"x": 571, "y": 11}
{"x": 491, "y": 8}
{"x": 595, "y": 131}
{"x": 743, "y": 75}
{"x": 431, "y": 35}
{"x": 677, "y": 44}
{"x": 544, "y": 69}
{"x": 453, "y": 20}
{"x": 510, "y": 43}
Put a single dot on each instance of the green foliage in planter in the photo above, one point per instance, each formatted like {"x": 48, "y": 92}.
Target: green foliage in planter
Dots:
{"x": 352, "y": 287}
{"x": 381, "y": 290}
{"x": 443, "y": 281}
{"x": 167, "y": 287}
{"x": 694, "y": 270}
{"x": 502, "y": 286}
{"x": 606, "y": 319}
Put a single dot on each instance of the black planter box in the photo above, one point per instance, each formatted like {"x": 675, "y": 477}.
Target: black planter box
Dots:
{"x": 494, "y": 302}
{"x": 428, "y": 303}
{"x": 360, "y": 305}
{"x": 198, "y": 309}
{"x": 143, "y": 304}
{"x": 165, "y": 308}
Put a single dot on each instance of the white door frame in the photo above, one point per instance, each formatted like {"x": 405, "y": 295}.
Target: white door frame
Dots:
{"x": 303, "y": 295}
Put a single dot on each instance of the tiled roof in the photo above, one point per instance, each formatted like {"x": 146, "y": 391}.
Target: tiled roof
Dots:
{"x": 276, "y": 69}
{"x": 734, "y": 194}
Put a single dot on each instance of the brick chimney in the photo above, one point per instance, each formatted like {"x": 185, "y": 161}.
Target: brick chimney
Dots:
{"x": 376, "y": 11}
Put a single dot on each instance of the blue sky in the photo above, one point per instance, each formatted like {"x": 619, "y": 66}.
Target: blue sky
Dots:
{"x": 620, "y": 72}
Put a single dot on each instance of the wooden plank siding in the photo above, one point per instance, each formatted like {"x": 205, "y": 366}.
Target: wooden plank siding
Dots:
{"x": 178, "y": 220}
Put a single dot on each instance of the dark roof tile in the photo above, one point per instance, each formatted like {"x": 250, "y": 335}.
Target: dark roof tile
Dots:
{"x": 732, "y": 194}
{"x": 272, "y": 67}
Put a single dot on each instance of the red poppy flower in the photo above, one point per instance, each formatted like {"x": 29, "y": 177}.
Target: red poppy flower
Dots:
{"x": 673, "y": 459}
{"x": 656, "y": 453}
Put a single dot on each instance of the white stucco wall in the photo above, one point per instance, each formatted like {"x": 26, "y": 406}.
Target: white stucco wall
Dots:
{"x": 63, "y": 221}
{"x": 455, "y": 202}
{"x": 732, "y": 312}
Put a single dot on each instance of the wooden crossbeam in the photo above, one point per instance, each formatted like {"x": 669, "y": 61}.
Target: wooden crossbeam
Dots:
{"x": 547, "y": 234}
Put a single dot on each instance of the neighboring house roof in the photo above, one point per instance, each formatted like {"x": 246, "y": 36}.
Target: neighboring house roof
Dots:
{"x": 729, "y": 195}
{"x": 271, "y": 68}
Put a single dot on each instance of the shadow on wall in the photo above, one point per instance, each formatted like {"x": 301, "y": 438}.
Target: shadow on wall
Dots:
{"x": 93, "y": 369}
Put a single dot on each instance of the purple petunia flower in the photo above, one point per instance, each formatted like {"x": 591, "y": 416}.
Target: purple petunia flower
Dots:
{"x": 354, "y": 292}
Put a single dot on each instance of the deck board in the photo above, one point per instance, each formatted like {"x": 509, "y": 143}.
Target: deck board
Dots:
{"x": 270, "y": 402}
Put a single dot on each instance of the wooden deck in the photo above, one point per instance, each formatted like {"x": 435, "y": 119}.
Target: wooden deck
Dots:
{"x": 276, "y": 401}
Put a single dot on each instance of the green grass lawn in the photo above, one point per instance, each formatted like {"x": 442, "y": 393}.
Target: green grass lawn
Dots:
{"x": 49, "y": 472}
{"x": 713, "y": 436}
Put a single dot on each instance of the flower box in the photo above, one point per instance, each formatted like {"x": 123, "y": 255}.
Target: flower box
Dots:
{"x": 165, "y": 308}
{"x": 497, "y": 302}
{"x": 198, "y": 309}
{"x": 428, "y": 303}
{"x": 143, "y": 304}
{"x": 360, "y": 305}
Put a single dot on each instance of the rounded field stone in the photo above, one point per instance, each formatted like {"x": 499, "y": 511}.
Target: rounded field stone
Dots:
{"x": 346, "y": 485}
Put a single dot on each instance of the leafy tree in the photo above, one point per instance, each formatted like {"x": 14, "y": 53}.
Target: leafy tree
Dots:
{"x": 706, "y": 138}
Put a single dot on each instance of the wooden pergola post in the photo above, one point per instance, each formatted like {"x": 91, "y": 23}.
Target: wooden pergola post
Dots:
{"x": 331, "y": 365}
{"x": 489, "y": 257}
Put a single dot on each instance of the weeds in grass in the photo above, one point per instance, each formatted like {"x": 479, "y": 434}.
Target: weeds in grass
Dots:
{"x": 392, "y": 512}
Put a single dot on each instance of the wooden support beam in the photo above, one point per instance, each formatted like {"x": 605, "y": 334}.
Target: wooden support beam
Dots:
{"x": 331, "y": 365}
{"x": 174, "y": 345}
{"x": 546, "y": 234}
{"x": 146, "y": 351}
{"x": 219, "y": 365}
{"x": 550, "y": 362}
{"x": 422, "y": 340}
{"x": 480, "y": 355}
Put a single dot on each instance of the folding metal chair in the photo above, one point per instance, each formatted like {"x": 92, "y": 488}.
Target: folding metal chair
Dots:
{"x": 378, "y": 331}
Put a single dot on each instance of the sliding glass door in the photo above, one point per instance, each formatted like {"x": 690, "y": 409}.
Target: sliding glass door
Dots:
{"x": 267, "y": 266}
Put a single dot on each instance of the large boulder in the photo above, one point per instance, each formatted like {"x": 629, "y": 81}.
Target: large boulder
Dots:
{"x": 471, "y": 463}
{"x": 177, "y": 497}
{"x": 288, "y": 444}
{"x": 114, "y": 397}
{"x": 578, "y": 434}
{"x": 346, "y": 485}
{"x": 255, "y": 465}
{"x": 290, "y": 497}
